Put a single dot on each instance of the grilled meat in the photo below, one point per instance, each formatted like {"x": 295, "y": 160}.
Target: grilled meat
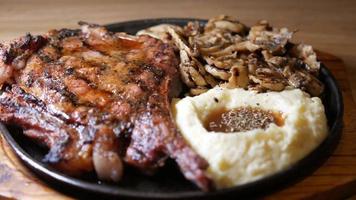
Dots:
{"x": 97, "y": 99}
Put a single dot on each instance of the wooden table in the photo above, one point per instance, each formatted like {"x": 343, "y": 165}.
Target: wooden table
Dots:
{"x": 327, "y": 25}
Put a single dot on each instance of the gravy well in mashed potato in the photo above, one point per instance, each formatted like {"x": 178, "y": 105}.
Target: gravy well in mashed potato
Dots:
{"x": 241, "y": 119}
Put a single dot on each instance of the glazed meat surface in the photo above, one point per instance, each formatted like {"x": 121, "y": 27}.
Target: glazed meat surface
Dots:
{"x": 97, "y": 100}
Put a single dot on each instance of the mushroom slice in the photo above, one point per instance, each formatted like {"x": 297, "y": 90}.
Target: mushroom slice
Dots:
{"x": 305, "y": 81}
{"x": 185, "y": 76}
{"x": 125, "y": 36}
{"x": 256, "y": 30}
{"x": 256, "y": 87}
{"x": 211, "y": 80}
{"x": 268, "y": 83}
{"x": 201, "y": 69}
{"x": 179, "y": 42}
{"x": 188, "y": 68}
{"x": 184, "y": 57}
{"x": 307, "y": 54}
{"x": 196, "y": 77}
{"x": 199, "y": 66}
{"x": 184, "y": 69}
{"x": 225, "y": 23}
{"x": 208, "y": 77}
{"x": 211, "y": 49}
{"x": 239, "y": 76}
{"x": 268, "y": 72}
{"x": 273, "y": 40}
{"x": 192, "y": 29}
{"x": 242, "y": 46}
{"x": 211, "y": 42}
{"x": 275, "y": 61}
{"x": 221, "y": 74}
{"x": 315, "y": 87}
{"x": 160, "y": 31}
{"x": 197, "y": 91}
{"x": 230, "y": 26}
{"x": 226, "y": 64}
{"x": 222, "y": 62}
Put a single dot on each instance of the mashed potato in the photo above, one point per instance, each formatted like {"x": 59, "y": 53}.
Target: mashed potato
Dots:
{"x": 241, "y": 157}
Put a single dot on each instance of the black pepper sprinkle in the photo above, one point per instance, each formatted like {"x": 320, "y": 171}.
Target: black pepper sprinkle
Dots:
{"x": 241, "y": 119}
{"x": 69, "y": 71}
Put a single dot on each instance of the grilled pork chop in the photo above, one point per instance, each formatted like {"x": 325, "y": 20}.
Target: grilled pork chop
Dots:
{"x": 97, "y": 99}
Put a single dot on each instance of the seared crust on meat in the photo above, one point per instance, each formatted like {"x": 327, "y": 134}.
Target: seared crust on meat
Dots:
{"x": 94, "y": 97}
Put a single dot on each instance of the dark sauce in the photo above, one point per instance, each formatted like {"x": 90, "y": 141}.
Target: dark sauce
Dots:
{"x": 242, "y": 119}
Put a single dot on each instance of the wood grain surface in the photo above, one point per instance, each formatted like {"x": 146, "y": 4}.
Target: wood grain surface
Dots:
{"x": 335, "y": 179}
{"x": 327, "y": 25}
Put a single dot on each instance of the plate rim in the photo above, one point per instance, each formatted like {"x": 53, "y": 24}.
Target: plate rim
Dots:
{"x": 56, "y": 176}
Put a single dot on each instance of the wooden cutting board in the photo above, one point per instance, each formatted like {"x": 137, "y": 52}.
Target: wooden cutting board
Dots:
{"x": 335, "y": 179}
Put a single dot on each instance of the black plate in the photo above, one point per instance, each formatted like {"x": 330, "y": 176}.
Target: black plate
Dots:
{"x": 168, "y": 182}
